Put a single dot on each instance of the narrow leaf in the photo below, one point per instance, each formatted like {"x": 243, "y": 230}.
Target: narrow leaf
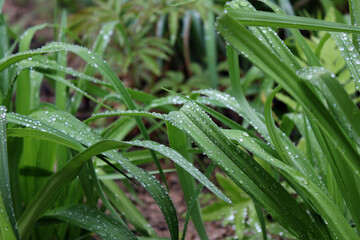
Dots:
{"x": 92, "y": 220}
{"x": 5, "y": 195}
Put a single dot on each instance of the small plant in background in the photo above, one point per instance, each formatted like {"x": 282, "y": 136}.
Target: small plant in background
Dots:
{"x": 288, "y": 173}
{"x": 145, "y": 32}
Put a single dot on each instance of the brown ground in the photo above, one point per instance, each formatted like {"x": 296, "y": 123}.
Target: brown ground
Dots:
{"x": 153, "y": 214}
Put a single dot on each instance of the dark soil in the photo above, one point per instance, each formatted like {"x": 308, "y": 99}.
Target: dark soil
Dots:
{"x": 152, "y": 213}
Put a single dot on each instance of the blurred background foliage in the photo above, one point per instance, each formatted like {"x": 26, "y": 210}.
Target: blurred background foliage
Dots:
{"x": 153, "y": 37}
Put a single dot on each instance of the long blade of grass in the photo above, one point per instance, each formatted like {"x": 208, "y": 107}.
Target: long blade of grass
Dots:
{"x": 61, "y": 94}
{"x": 47, "y": 66}
{"x": 260, "y": 18}
{"x": 8, "y": 216}
{"x": 267, "y": 35}
{"x": 92, "y": 220}
{"x": 339, "y": 102}
{"x": 210, "y": 46}
{"x": 312, "y": 58}
{"x": 27, "y": 85}
{"x": 194, "y": 199}
{"x": 116, "y": 176}
{"x": 64, "y": 82}
{"x": 354, "y": 7}
{"x": 261, "y": 218}
{"x": 4, "y": 45}
{"x": 100, "y": 44}
{"x": 5, "y": 225}
{"x": 179, "y": 160}
{"x": 242, "y": 107}
{"x": 178, "y": 141}
{"x": 350, "y": 55}
{"x": 123, "y": 113}
{"x": 95, "y": 181}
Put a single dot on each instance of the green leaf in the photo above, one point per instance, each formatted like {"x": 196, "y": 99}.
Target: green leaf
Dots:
{"x": 5, "y": 226}
{"x": 211, "y": 48}
{"x": 339, "y": 102}
{"x": 4, "y": 47}
{"x": 267, "y": 35}
{"x": 8, "y": 225}
{"x": 124, "y": 113}
{"x": 354, "y": 7}
{"x": 179, "y": 142}
{"x": 28, "y": 84}
{"x": 350, "y": 55}
{"x": 92, "y": 220}
{"x": 260, "y": 18}
{"x": 310, "y": 55}
{"x": 101, "y": 42}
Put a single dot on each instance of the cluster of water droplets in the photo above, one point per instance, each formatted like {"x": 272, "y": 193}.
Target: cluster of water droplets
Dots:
{"x": 106, "y": 35}
{"x": 2, "y": 114}
{"x": 128, "y": 113}
{"x": 70, "y": 126}
{"x": 45, "y": 63}
{"x": 174, "y": 100}
{"x": 317, "y": 77}
{"x": 92, "y": 219}
{"x": 314, "y": 76}
{"x": 265, "y": 34}
{"x": 274, "y": 7}
{"x": 255, "y": 118}
{"x": 350, "y": 54}
{"x": 238, "y": 4}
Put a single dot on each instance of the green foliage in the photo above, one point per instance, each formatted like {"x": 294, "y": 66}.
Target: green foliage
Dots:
{"x": 287, "y": 167}
{"x": 147, "y": 32}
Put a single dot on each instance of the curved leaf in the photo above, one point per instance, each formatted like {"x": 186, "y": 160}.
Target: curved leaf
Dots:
{"x": 92, "y": 220}
{"x": 260, "y": 18}
{"x": 7, "y": 216}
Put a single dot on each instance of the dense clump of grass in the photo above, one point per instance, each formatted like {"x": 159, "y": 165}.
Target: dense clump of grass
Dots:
{"x": 50, "y": 161}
